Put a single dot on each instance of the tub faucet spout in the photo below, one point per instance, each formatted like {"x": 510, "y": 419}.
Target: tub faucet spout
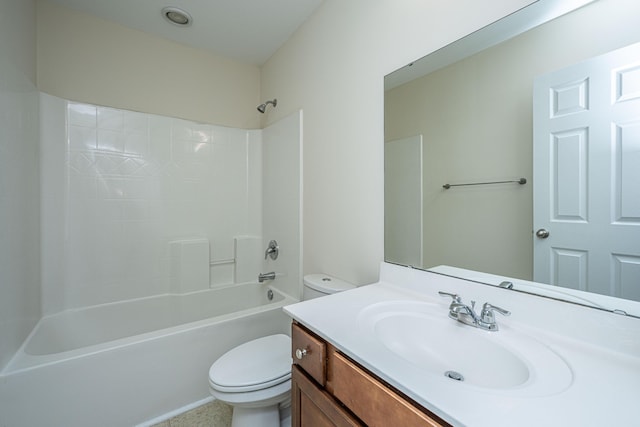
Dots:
{"x": 266, "y": 276}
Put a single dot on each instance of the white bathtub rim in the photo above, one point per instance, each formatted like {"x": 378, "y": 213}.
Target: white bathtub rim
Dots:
{"x": 156, "y": 302}
{"x": 166, "y": 294}
{"x": 22, "y": 361}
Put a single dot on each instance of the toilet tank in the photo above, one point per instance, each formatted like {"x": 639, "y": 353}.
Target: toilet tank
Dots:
{"x": 318, "y": 285}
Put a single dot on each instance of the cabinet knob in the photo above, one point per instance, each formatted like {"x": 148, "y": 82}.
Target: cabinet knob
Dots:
{"x": 300, "y": 353}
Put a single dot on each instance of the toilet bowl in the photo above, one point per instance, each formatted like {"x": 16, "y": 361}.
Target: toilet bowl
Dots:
{"x": 255, "y": 377}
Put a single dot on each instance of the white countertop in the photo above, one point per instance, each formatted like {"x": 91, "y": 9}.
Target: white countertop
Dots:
{"x": 601, "y": 349}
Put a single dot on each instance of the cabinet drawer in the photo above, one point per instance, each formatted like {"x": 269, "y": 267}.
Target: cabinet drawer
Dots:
{"x": 309, "y": 352}
{"x": 371, "y": 400}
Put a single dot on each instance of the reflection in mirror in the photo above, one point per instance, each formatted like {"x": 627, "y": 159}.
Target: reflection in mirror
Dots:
{"x": 475, "y": 117}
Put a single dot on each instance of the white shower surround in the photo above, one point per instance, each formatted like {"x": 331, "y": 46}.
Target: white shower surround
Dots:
{"x": 118, "y": 190}
{"x": 118, "y": 186}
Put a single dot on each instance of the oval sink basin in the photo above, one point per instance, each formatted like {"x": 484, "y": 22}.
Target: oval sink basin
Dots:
{"x": 506, "y": 360}
{"x": 479, "y": 359}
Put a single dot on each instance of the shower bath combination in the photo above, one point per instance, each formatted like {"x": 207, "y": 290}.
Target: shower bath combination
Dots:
{"x": 262, "y": 107}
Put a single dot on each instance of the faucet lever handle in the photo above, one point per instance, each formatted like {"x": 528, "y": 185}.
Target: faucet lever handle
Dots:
{"x": 272, "y": 250}
{"x": 488, "y": 309}
{"x": 454, "y": 297}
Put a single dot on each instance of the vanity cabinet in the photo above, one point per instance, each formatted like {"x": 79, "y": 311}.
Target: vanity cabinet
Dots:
{"x": 329, "y": 389}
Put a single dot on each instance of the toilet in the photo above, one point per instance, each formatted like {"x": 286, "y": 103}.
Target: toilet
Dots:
{"x": 319, "y": 285}
{"x": 255, "y": 377}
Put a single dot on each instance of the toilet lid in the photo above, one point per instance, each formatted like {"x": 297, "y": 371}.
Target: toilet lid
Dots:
{"x": 255, "y": 365}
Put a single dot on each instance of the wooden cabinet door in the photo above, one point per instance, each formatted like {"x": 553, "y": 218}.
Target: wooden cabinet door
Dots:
{"x": 314, "y": 407}
{"x": 371, "y": 400}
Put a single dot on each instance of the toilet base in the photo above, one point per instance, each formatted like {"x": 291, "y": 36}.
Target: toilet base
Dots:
{"x": 266, "y": 416}
{"x": 285, "y": 414}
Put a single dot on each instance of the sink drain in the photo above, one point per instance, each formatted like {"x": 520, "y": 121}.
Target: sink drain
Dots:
{"x": 454, "y": 375}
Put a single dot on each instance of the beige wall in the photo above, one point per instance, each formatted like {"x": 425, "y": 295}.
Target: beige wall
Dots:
{"x": 84, "y": 58}
{"x": 489, "y": 228}
{"x": 333, "y": 68}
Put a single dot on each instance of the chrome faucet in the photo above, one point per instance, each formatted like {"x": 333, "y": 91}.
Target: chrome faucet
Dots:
{"x": 463, "y": 313}
{"x": 467, "y": 315}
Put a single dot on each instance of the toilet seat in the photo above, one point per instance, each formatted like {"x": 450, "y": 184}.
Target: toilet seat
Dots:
{"x": 262, "y": 363}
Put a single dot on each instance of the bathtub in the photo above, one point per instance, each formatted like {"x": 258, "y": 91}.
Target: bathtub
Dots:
{"x": 123, "y": 364}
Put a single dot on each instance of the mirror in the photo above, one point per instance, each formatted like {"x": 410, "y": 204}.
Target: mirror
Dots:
{"x": 464, "y": 115}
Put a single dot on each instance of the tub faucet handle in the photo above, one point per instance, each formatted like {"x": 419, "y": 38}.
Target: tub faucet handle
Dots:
{"x": 272, "y": 250}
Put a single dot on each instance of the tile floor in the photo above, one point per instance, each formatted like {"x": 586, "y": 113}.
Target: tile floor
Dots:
{"x": 213, "y": 414}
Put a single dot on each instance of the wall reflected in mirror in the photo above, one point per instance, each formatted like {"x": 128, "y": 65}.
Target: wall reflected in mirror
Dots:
{"x": 475, "y": 118}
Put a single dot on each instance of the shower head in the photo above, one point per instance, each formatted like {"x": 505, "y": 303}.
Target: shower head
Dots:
{"x": 263, "y": 107}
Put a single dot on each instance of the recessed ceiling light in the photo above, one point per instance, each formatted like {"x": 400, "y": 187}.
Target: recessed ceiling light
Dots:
{"x": 177, "y": 16}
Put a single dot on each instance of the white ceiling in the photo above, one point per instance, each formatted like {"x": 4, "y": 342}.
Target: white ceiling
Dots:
{"x": 249, "y": 31}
